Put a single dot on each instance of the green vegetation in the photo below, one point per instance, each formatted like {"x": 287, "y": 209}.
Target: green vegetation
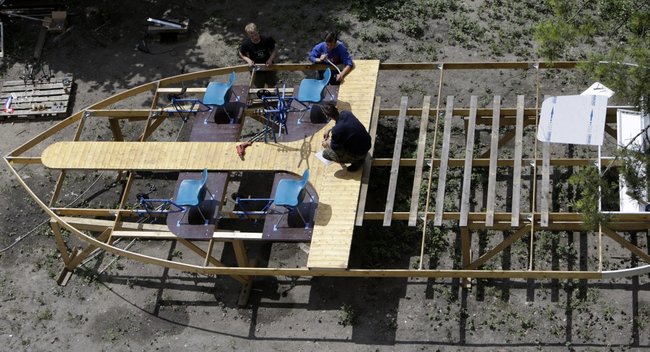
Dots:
{"x": 621, "y": 28}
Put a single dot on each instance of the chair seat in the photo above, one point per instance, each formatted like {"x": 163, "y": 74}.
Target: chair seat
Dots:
{"x": 310, "y": 90}
{"x": 216, "y": 93}
{"x": 287, "y": 192}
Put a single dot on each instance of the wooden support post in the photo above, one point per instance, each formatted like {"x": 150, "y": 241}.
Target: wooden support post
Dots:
{"x": 60, "y": 242}
{"x": 516, "y": 174}
{"x": 469, "y": 155}
{"x": 116, "y": 130}
{"x": 394, "y": 169}
{"x": 196, "y": 249}
{"x": 419, "y": 163}
{"x": 365, "y": 178}
{"x": 444, "y": 158}
{"x": 208, "y": 253}
{"x": 465, "y": 245}
{"x": 77, "y": 257}
{"x": 494, "y": 154}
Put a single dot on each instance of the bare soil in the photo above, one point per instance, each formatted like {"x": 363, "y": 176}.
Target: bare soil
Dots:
{"x": 114, "y": 304}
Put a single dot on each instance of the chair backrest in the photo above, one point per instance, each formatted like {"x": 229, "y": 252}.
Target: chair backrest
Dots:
{"x": 305, "y": 178}
{"x": 327, "y": 75}
{"x": 204, "y": 177}
{"x": 231, "y": 80}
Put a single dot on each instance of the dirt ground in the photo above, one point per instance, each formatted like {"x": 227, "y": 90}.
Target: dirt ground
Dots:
{"x": 114, "y": 304}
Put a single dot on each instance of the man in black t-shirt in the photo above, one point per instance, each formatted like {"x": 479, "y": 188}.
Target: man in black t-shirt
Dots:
{"x": 349, "y": 142}
{"x": 257, "y": 49}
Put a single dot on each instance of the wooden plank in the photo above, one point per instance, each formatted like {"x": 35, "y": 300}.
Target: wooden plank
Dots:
{"x": 465, "y": 245}
{"x": 516, "y": 177}
{"x": 365, "y": 178}
{"x": 444, "y": 157}
{"x": 394, "y": 169}
{"x": 545, "y": 197}
{"x": 494, "y": 154}
{"x": 333, "y": 229}
{"x": 419, "y": 164}
{"x": 467, "y": 172}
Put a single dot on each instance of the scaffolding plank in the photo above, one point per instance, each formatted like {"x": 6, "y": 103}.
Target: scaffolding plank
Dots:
{"x": 516, "y": 177}
{"x": 419, "y": 163}
{"x": 545, "y": 200}
{"x": 394, "y": 168}
{"x": 494, "y": 154}
{"x": 363, "y": 192}
{"x": 469, "y": 155}
{"x": 444, "y": 157}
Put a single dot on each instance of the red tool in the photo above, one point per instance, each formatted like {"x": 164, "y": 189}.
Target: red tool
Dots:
{"x": 241, "y": 149}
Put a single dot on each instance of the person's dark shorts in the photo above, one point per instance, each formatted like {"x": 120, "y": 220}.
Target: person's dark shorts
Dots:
{"x": 265, "y": 79}
{"x": 341, "y": 156}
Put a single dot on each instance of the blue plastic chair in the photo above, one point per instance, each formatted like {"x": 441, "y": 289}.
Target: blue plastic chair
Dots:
{"x": 191, "y": 193}
{"x": 218, "y": 94}
{"x": 288, "y": 194}
{"x": 311, "y": 92}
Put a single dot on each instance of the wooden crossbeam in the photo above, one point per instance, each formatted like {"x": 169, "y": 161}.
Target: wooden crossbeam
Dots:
{"x": 419, "y": 163}
{"x": 394, "y": 169}
{"x": 625, "y": 243}
{"x": 516, "y": 174}
{"x": 499, "y": 247}
{"x": 469, "y": 154}
{"x": 444, "y": 157}
{"x": 494, "y": 154}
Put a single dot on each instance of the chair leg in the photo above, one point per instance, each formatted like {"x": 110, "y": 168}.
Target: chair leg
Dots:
{"x": 185, "y": 210}
{"x": 206, "y": 222}
{"x": 302, "y": 114}
{"x": 289, "y": 210}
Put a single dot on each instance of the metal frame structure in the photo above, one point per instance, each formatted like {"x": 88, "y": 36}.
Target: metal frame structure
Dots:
{"x": 96, "y": 227}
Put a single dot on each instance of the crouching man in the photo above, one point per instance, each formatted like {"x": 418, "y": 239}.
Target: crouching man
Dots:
{"x": 348, "y": 141}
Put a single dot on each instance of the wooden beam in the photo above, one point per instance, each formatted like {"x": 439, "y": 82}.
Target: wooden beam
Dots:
{"x": 76, "y": 260}
{"x": 394, "y": 169}
{"x": 625, "y": 243}
{"x": 365, "y": 177}
{"x": 516, "y": 173}
{"x": 499, "y": 247}
{"x": 196, "y": 249}
{"x": 444, "y": 156}
{"x": 469, "y": 156}
{"x": 419, "y": 164}
{"x": 494, "y": 155}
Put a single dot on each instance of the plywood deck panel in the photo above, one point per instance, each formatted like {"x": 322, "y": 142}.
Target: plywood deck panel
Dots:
{"x": 338, "y": 189}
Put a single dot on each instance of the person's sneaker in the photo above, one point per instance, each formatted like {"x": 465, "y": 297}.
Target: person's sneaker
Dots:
{"x": 355, "y": 166}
